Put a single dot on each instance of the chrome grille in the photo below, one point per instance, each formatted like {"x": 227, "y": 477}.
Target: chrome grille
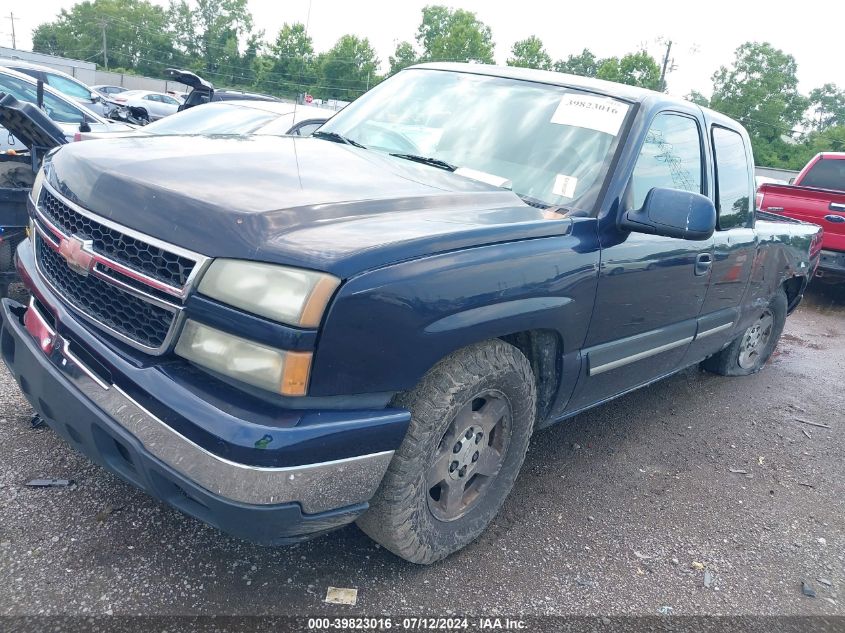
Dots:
{"x": 156, "y": 262}
{"x": 131, "y": 285}
{"x": 134, "y": 318}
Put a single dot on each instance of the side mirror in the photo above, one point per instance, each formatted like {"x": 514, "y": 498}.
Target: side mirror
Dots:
{"x": 84, "y": 127}
{"x": 673, "y": 213}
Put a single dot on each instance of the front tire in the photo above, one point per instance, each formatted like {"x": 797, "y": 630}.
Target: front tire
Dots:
{"x": 750, "y": 350}
{"x": 471, "y": 421}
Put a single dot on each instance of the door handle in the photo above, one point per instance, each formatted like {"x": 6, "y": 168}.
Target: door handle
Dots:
{"x": 835, "y": 218}
{"x": 835, "y": 206}
{"x": 703, "y": 263}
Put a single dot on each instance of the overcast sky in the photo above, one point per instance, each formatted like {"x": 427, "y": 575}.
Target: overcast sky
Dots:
{"x": 705, "y": 34}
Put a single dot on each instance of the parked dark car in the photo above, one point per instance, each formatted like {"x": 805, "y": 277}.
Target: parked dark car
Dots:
{"x": 203, "y": 91}
{"x": 282, "y": 335}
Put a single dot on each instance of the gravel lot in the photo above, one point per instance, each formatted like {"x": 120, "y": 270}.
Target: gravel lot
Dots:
{"x": 626, "y": 509}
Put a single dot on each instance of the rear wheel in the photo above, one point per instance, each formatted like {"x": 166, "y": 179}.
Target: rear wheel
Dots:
{"x": 471, "y": 421}
{"x": 750, "y": 350}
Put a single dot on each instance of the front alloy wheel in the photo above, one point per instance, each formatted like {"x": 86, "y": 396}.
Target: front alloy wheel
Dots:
{"x": 471, "y": 420}
{"x": 469, "y": 456}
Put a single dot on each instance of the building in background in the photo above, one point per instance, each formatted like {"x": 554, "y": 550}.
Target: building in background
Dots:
{"x": 87, "y": 72}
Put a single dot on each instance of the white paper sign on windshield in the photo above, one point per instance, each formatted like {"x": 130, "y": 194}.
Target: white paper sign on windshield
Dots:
{"x": 565, "y": 186}
{"x": 591, "y": 112}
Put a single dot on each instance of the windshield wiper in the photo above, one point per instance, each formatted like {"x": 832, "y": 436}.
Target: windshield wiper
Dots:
{"x": 428, "y": 160}
{"x": 337, "y": 138}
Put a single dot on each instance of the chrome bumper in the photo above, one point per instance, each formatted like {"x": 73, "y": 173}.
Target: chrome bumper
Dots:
{"x": 315, "y": 487}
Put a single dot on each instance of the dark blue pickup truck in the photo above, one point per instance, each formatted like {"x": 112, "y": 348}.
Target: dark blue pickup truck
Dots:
{"x": 280, "y": 336}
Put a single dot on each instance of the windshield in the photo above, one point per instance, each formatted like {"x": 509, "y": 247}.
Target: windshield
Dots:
{"x": 547, "y": 143}
{"x": 213, "y": 118}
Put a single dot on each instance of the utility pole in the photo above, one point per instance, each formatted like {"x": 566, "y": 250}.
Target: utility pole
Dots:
{"x": 12, "y": 18}
{"x": 105, "y": 48}
{"x": 665, "y": 66}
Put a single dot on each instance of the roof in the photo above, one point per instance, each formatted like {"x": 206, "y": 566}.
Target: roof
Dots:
{"x": 257, "y": 96}
{"x": 590, "y": 84}
{"x": 277, "y": 107}
{"x": 20, "y": 63}
{"x": 633, "y": 94}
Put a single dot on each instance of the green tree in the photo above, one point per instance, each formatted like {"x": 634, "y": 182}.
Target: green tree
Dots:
{"x": 634, "y": 69}
{"x": 292, "y": 62}
{"x": 405, "y": 55}
{"x": 585, "y": 64}
{"x": 209, "y": 33}
{"x": 348, "y": 69}
{"x": 760, "y": 90}
{"x": 530, "y": 53}
{"x": 454, "y": 35}
{"x": 831, "y": 139}
{"x": 137, "y": 36}
{"x": 827, "y": 106}
{"x": 698, "y": 99}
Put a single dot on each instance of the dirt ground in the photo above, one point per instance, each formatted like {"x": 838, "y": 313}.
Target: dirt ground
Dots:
{"x": 702, "y": 494}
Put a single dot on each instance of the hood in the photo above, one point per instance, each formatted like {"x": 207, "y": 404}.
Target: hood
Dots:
{"x": 30, "y": 125}
{"x": 189, "y": 79}
{"x": 300, "y": 201}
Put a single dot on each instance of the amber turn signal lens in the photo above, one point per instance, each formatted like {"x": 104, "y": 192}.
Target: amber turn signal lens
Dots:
{"x": 295, "y": 374}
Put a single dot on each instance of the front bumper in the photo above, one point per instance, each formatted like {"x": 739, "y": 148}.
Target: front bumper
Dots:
{"x": 83, "y": 396}
{"x": 831, "y": 263}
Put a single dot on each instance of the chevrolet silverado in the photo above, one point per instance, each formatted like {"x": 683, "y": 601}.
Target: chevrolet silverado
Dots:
{"x": 280, "y": 336}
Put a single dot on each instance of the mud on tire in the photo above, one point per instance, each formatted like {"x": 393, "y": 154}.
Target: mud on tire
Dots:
{"x": 471, "y": 421}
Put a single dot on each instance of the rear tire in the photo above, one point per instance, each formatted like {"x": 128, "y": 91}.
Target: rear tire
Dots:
{"x": 750, "y": 350}
{"x": 471, "y": 421}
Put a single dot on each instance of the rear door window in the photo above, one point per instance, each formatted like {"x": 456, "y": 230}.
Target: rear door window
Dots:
{"x": 734, "y": 187}
{"x": 827, "y": 173}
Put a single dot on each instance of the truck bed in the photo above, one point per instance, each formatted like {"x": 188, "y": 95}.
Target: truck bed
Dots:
{"x": 824, "y": 207}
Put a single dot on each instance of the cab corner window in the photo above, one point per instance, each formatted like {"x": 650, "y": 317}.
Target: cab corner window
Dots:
{"x": 733, "y": 180}
{"x": 670, "y": 158}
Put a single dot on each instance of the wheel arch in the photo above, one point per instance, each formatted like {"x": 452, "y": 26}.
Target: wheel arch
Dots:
{"x": 544, "y": 350}
{"x": 794, "y": 288}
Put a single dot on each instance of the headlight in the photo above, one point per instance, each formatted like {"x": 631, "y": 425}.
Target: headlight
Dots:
{"x": 37, "y": 185}
{"x": 247, "y": 361}
{"x": 288, "y": 295}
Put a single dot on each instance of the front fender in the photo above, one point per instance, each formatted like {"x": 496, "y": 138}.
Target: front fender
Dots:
{"x": 386, "y": 328}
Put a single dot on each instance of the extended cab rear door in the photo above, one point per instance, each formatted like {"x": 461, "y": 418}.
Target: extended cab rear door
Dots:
{"x": 734, "y": 242}
{"x": 650, "y": 288}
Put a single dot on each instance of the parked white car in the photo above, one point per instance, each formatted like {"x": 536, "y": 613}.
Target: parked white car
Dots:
{"x": 157, "y": 105}
{"x": 62, "y": 110}
{"x": 108, "y": 90}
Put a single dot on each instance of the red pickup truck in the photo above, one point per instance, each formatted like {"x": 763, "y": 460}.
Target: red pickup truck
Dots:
{"x": 817, "y": 196}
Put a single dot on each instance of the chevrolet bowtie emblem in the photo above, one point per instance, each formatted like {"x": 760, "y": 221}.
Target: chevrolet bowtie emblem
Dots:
{"x": 72, "y": 249}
